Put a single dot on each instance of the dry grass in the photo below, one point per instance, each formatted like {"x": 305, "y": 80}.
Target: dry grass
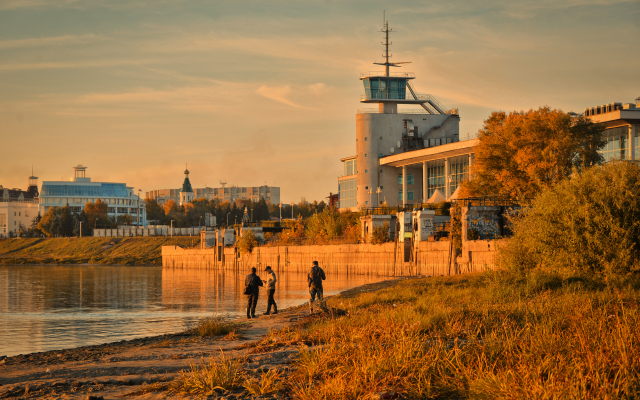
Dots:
{"x": 214, "y": 326}
{"x": 269, "y": 382}
{"x": 482, "y": 336}
{"x": 212, "y": 375}
{"x": 138, "y": 250}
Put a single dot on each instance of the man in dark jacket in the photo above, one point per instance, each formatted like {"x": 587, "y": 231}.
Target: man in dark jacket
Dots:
{"x": 314, "y": 279}
{"x": 253, "y": 282}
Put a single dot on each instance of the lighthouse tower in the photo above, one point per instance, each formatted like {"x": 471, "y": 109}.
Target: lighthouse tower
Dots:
{"x": 387, "y": 131}
{"x": 186, "y": 194}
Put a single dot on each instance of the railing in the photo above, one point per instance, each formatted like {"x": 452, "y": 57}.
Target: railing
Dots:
{"x": 377, "y": 211}
{"x": 34, "y": 201}
{"x": 399, "y": 111}
{"x": 391, "y": 74}
{"x": 488, "y": 202}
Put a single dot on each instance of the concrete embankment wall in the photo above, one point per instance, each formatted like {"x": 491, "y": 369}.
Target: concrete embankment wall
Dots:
{"x": 428, "y": 259}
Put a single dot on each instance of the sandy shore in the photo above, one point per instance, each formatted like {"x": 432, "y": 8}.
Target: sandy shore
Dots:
{"x": 141, "y": 368}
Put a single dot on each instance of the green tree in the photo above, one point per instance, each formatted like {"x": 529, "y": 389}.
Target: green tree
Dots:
{"x": 124, "y": 219}
{"x": 155, "y": 213}
{"x": 522, "y": 153}
{"x": 97, "y": 214}
{"x": 585, "y": 225}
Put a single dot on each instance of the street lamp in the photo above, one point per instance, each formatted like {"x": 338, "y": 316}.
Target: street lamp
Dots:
{"x": 228, "y": 218}
{"x": 81, "y": 229}
{"x": 378, "y": 191}
{"x": 280, "y": 212}
{"x": 171, "y": 228}
{"x": 370, "y": 197}
{"x": 200, "y": 222}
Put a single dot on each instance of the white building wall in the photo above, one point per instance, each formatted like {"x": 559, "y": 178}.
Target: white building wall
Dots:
{"x": 14, "y": 214}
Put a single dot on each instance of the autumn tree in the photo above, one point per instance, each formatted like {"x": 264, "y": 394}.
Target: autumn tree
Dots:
{"x": 57, "y": 221}
{"x": 522, "y": 153}
{"x": 97, "y": 214}
{"x": 155, "y": 213}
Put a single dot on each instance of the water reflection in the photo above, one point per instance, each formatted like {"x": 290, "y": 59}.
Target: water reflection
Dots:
{"x": 53, "y": 307}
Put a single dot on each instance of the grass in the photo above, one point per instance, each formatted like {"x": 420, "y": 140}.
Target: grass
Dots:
{"x": 212, "y": 375}
{"x": 269, "y": 382}
{"x": 489, "y": 335}
{"x": 128, "y": 251}
{"x": 214, "y": 326}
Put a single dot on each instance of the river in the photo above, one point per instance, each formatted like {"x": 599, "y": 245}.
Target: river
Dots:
{"x": 55, "y": 307}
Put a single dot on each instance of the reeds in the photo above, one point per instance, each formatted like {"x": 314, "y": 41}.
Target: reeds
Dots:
{"x": 214, "y": 326}
{"x": 221, "y": 374}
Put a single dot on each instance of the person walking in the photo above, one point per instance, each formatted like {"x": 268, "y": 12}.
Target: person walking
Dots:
{"x": 252, "y": 290}
{"x": 314, "y": 279}
{"x": 271, "y": 289}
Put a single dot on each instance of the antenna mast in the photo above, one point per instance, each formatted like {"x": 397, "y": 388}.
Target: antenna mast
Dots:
{"x": 386, "y": 54}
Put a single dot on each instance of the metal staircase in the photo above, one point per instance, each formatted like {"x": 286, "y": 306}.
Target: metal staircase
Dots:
{"x": 436, "y": 106}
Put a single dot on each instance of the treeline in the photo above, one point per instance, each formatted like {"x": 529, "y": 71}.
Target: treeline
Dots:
{"x": 62, "y": 222}
{"x": 226, "y": 213}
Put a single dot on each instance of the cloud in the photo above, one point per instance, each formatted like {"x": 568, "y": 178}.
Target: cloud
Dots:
{"x": 278, "y": 94}
{"x": 49, "y": 41}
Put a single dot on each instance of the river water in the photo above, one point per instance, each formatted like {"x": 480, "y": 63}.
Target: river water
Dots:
{"x": 55, "y": 307}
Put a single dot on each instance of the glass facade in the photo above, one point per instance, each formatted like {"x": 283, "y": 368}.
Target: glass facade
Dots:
{"x": 99, "y": 190}
{"x": 409, "y": 195}
{"x": 458, "y": 172}
{"x": 436, "y": 180}
{"x": 385, "y": 88}
{"x": 347, "y": 189}
{"x": 409, "y": 179}
{"x": 637, "y": 142}
{"x": 616, "y": 146}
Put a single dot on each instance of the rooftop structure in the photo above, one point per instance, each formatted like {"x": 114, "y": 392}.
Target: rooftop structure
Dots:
{"x": 18, "y": 208}
{"x": 386, "y": 133}
{"x": 80, "y": 190}
{"x": 622, "y": 129}
{"x": 186, "y": 194}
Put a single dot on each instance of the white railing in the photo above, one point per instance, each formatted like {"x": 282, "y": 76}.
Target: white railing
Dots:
{"x": 34, "y": 201}
{"x": 391, "y": 74}
{"x": 400, "y": 111}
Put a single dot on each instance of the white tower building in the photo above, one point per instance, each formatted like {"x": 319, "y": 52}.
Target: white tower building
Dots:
{"x": 186, "y": 194}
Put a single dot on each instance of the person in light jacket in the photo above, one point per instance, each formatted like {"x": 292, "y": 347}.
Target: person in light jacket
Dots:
{"x": 271, "y": 289}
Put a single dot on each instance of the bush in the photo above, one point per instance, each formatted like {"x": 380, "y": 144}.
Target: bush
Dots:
{"x": 247, "y": 242}
{"x": 586, "y": 225}
{"x": 380, "y": 234}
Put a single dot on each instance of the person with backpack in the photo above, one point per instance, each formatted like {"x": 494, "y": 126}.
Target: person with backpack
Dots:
{"x": 314, "y": 279}
{"x": 271, "y": 289}
{"x": 252, "y": 289}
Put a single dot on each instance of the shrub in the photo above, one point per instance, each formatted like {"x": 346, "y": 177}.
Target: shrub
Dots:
{"x": 212, "y": 326}
{"x": 587, "y": 225}
{"x": 247, "y": 242}
{"x": 380, "y": 234}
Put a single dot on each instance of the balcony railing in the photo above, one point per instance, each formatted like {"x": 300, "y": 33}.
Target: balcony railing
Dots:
{"x": 391, "y": 74}
{"x": 31, "y": 201}
{"x": 399, "y": 111}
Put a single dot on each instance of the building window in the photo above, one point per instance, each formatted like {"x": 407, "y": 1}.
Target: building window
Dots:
{"x": 347, "y": 190}
{"x": 14, "y": 214}
{"x": 436, "y": 180}
{"x": 366, "y": 171}
{"x": 458, "y": 172}
{"x": 409, "y": 195}
{"x": 19, "y": 214}
{"x": 409, "y": 180}
{"x": 3, "y": 220}
{"x": 616, "y": 144}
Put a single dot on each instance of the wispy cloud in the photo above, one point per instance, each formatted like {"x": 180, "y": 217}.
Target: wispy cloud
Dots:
{"x": 278, "y": 94}
{"x": 50, "y": 41}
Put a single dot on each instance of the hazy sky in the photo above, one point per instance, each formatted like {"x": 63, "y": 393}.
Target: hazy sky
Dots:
{"x": 267, "y": 91}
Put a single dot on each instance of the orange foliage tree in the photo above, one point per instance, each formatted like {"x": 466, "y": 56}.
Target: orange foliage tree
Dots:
{"x": 97, "y": 214}
{"x": 522, "y": 153}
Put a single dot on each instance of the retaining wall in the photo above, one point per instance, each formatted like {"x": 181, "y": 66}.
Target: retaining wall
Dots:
{"x": 427, "y": 259}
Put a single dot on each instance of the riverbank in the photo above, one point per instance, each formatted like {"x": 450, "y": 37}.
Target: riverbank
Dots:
{"x": 489, "y": 335}
{"x": 145, "y": 368}
{"x": 90, "y": 250}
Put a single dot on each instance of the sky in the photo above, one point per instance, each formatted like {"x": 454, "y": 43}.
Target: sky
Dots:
{"x": 266, "y": 92}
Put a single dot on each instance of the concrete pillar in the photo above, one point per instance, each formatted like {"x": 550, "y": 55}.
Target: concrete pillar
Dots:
{"x": 425, "y": 183}
{"x": 404, "y": 186}
{"x": 631, "y": 141}
{"x": 447, "y": 192}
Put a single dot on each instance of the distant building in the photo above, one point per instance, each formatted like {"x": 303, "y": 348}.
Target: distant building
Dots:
{"x": 622, "y": 133}
{"x": 231, "y": 193}
{"x": 18, "y": 208}
{"x": 79, "y": 190}
{"x": 186, "y": 193}
{"x": 270, "y": 194}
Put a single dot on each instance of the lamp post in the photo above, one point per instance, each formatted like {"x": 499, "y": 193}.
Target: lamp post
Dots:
{"x": 228, "y": 218}
{"x": 280, "y": 212}
{"x": 292, "y": 210}
{"x": 370, "y": 197}
{"x": 171, "y": 228}
{"x": 378, "y": 191}
{"x": 81, "y": 229}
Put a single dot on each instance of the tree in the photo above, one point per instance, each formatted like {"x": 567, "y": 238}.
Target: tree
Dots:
{"x": 57, "y": 221}
{"x": 585, "y": 225}
{"x": 124, "y": 219}
{"x": 522, "y": 153}
{"x": 34, "y": 231}
{"x": 155, "y": 213}
{"x": 170, "y": 206}
{"x": 97, "y": 214}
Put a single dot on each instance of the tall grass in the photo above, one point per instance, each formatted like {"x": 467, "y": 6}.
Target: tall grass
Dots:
{"x": 492, "y": 335}
{"x": 221, "y": 374}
